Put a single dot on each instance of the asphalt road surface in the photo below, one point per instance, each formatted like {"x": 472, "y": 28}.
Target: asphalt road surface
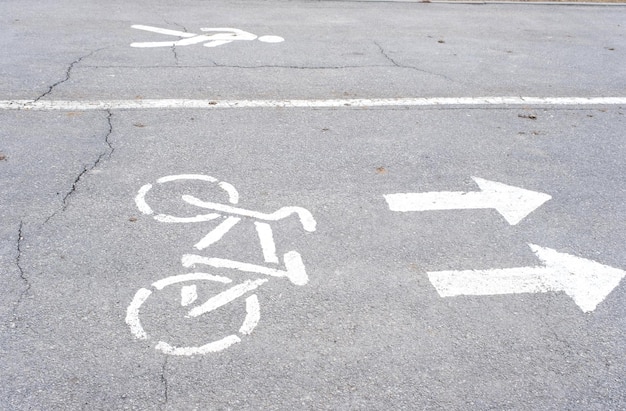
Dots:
{"x": 312, "y": 205}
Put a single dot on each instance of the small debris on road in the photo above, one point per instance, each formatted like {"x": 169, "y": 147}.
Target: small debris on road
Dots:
{"x": 530, "y": 116}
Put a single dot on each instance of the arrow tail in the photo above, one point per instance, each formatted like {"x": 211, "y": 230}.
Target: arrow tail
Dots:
{"x": 446, "y": 200}
{"x": 492, "y": 282}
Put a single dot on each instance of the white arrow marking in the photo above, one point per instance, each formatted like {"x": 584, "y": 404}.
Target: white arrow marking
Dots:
{"x": 513, "y": 203}
{"x": 587, "y": 282}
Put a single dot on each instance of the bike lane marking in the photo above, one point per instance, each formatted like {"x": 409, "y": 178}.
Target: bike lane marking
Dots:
{"x": 441, "y": 102}
{"x": 294, "y": 269}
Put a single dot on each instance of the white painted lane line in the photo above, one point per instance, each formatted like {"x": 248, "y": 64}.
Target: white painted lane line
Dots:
{"x": 146, "y": 104}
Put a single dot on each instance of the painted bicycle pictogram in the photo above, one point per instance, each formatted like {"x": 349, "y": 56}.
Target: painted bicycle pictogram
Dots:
{"x": 220, "y": 36}
{"x": 289, "y": 265}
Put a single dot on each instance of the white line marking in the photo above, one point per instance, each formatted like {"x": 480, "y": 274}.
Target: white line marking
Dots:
{"x": 271, "y": 39}
{"x": 159, "y": 285}
{"x": 268, "y": 245}
{"x": 587, "y": 282}
{"x": 253, "y": 315}
{"x": 513, "y": 203}
{"x": 295, "y": 268}
{"x": 177, "y": 177}
{"x": 188, "y": 294}
{"x": 163, "y": 218}
{"x": 233, "y": 194}
{"x": 225, "y": 297}
{"x": 217, "y": 233}
{"x": 140, "y": 199}
{"x": 293, "y": 262}
{"x": 146, "y": 104}
{"x": 306, "y": 218}
{"x": 215, "y": 346}
{"x": 163, "y": 31}
{"x": 132, "y": 313}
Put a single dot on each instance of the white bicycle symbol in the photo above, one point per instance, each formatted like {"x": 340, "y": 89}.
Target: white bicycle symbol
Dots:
{"x": 222, "y": 36}
{"x": 294, "y": 269}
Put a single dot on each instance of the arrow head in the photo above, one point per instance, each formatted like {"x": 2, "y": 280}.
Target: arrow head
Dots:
{"x": 587, "y": 282}
{"x": 513, "y": 203}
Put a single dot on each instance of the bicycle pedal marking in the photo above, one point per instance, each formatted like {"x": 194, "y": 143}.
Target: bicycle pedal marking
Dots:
{"x": 292, "y": 265}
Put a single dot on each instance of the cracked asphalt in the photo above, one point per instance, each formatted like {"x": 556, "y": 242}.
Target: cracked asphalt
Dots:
{"x": 368, "y": 330}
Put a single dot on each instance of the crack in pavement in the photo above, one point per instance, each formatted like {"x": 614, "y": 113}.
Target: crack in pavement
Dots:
{"x": 104, "y": 155}
{"x": 396, "y": 64}
{"x": 68, "y": 74}
{"x": 175, "y": 55}
{"x": 18, "y": 263}
{"x": 173, "y": 48}
{"x": 164, "y": 383}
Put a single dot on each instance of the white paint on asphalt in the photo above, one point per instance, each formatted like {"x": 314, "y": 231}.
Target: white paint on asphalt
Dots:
{"x": 142, "y": 205}
{"x": 188, "y": 294}
{"x": 159, "y": 285}
{"x": 213, "y": 347}
{"x": 132, "y": 313}
{"x": 306, "y": 218}
{"x": 266, "y": 237}
{"x": 271, "y": 39}
{"x": 179, "y": 177}
{"x": 225, "y": 297}
{"x": 217, "y": 233}
{"x": 253, "y": 315}
{"x": 587, "y": 282}
{"x": 511, "y": 202}
{"x": 223, "y": 35}
{"x": 295, "y": 271}
{"x": 140, "y": 200}
{"x": 294, "y": 267}
{"x": 440, "y": 102}
{"x": 163, "y": 218}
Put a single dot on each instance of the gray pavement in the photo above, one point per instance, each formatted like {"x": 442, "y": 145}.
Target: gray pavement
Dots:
{"x": 369, "y": 330}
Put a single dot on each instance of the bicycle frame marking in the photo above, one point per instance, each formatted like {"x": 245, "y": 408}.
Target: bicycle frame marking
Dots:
{"x": 294, "y": 269}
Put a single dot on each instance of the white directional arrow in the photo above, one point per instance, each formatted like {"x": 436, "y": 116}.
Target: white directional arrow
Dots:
{"x": 586, "y": 282}
{"x": 512, "y": 202}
